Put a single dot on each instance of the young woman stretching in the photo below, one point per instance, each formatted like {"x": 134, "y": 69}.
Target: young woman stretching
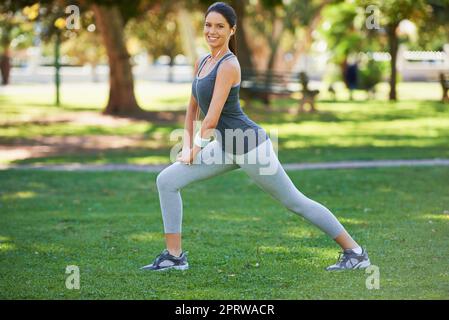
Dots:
{"x": 215, "y": 90}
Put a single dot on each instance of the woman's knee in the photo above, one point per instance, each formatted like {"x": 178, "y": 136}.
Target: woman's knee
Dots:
{"x": 299, "y": 204}
{"x": 165, "y": 181}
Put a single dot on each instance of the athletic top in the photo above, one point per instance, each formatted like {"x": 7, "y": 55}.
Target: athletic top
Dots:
{"x": 232, "y": 115}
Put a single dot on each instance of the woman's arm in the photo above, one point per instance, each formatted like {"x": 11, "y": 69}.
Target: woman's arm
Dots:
{"x": 190, "y": 116}
{"x": 188, "y": 123}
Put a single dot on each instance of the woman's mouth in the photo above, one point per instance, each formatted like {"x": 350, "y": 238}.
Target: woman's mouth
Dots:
{"x": 212, "y": 38}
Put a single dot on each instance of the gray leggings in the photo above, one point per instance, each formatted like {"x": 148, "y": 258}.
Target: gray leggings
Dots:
{"x": 277, "y": 183}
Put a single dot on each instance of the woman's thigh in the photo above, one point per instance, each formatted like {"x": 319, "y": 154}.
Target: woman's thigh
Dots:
{"x": 210, "y": 162}
{"x": 263, "y": 166}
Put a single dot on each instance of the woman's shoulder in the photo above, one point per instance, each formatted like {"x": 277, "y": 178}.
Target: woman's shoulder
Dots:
{"x": 202, "y": 58}
{"x": 230, "y": 63}
{"x": 199, "y": 61}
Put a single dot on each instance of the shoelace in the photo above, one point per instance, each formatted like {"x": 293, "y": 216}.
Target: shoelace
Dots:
{"x": 159, "y": 258}
{"x": 341, "y": 258}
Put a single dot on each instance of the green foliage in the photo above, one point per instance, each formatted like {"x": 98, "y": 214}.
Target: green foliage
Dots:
{"x": 394, "y": 11}
{"x": 16, "y": 32}
{"x": 433, "y": 30}
{"x": 371, "y": 72}
{"x": 340, "y": 31}
{"x": 158, "y": 31}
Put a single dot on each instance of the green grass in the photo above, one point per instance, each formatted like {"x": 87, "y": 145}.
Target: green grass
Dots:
{"x": 242, "y": 244}
{"x": 342, "y": 130}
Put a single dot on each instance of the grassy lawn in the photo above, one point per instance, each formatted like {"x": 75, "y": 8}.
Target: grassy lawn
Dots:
{"x": 242, "y": 244}
{"x": 342, "y": 130}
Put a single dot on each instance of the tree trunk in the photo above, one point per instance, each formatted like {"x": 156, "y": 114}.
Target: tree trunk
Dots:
{"x": 121, "y": 92}
{"x": 5, "y": 67}
{"x": 170, "y": 69}
{"x": 393, "y": 43}
{"x": 274, "y": 41}
{"x": 244, "y": 53}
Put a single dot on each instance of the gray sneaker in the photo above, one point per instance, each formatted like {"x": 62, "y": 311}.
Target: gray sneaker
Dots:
{"x": 166, "y": 261}
{"x": 348, "y": 259}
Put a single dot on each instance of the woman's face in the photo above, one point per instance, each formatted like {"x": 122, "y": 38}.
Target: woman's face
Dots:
{"x": 217, "y": 30}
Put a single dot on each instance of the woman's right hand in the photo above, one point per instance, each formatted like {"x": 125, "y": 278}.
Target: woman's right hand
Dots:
{"x": 185, "y": 156}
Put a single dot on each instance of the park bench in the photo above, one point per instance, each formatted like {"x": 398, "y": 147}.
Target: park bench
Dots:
{"x": 444, "y": 81}
{"x": 263, "y": 84}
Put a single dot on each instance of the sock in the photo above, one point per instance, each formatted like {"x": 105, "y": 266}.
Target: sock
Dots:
{"x": 176, "y": 256}
{"x": 357, "y": 250}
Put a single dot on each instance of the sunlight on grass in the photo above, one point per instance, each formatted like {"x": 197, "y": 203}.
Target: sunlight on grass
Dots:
{"x": 440, "y": 217}
{"x": 19, "y": 195}
{"x": 145, "y": 160}
{"x": 417, "y": 133}
{"x": 299, "y": 232}
{"x": 7, "y": 247}
{"x": 162, "y": 96}
{"x": 22, "y": 100}
{"x": 412, "y": 90}
{"x": 352, "y": 221}
{"x": 146, "y": 237}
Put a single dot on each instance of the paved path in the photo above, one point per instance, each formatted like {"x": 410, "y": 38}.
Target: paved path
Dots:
{"x": 287, "y": 166}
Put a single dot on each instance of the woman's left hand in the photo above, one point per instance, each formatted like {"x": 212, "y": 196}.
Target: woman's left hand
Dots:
{"x": 188, "y": 157}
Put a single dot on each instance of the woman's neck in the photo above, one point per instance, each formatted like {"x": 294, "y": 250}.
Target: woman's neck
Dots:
{"x": 217, "y": 53}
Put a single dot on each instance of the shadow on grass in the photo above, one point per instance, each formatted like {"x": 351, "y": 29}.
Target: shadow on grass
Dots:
{"x": 296, "y": 155}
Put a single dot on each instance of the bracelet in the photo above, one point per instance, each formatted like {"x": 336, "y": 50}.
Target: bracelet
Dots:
{"x": 200, "y": 142}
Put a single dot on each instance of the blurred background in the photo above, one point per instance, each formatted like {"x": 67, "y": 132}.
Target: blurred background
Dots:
{"x": 107, "y": 81}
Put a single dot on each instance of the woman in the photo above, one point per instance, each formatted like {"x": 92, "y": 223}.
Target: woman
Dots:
{"x": 215, "y": 91}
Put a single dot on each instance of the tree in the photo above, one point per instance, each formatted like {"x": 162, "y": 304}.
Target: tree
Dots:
{"x": 344, "y": 30}
{"x": 243, "y": 50}
{"x": 343, "y": 35}
{"x": 111, "y": 19}
{"x": 275, "y": 26}
{"x": 122, "y": 100}
{"x": 433, "y": 30}
{"x": 15, "y": 33}
{"x": 392, "y": 12}
{"x": 159, "y": 33}
{"x": 84, "y": 48}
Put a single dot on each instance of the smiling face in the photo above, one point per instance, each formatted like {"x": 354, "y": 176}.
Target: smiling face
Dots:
{"x": 217, "y": 30}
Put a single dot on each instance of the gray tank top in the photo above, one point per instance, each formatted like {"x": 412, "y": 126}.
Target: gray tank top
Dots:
{"x": 232, "y": 115}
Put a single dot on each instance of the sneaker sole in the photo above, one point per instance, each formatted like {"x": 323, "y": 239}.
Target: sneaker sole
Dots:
{"x": 362, "y": 265}
{"x": 183, "y": 267}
